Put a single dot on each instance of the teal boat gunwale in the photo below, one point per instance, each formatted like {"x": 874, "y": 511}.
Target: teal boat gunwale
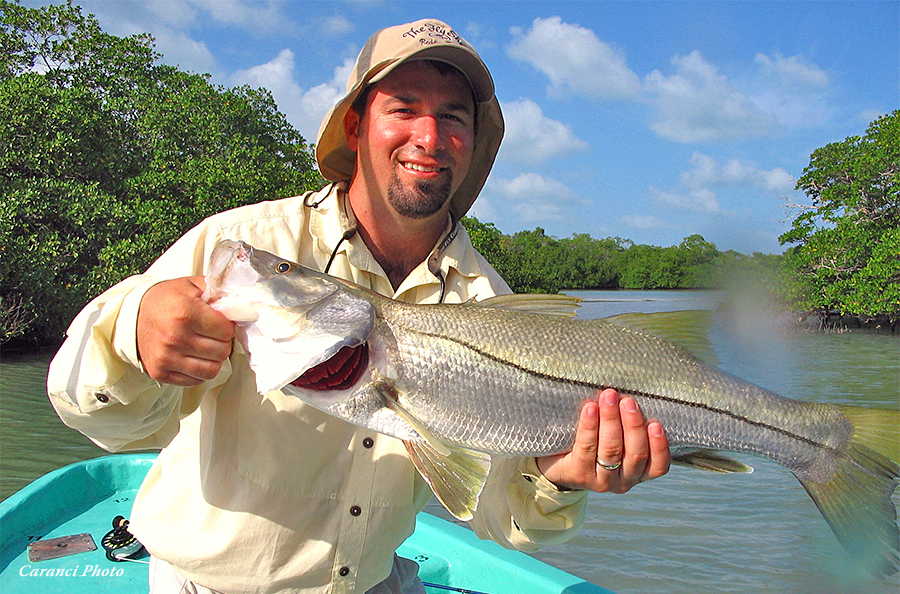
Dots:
{"x": 450, "y": 556}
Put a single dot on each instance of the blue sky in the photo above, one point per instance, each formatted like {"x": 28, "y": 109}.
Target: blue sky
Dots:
{"x": 649, "y": 121}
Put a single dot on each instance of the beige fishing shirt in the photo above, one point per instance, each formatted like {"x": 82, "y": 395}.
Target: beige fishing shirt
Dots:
{"x": 263, "y": 493}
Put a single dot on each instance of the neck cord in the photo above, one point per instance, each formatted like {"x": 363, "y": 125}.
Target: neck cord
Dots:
{"x": 433, "y": 259}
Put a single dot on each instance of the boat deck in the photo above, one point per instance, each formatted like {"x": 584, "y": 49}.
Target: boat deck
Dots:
{"x": 85, "y": 497}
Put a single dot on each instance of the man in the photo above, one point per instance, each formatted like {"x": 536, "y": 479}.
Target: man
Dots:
{"x": 261, "y": 493}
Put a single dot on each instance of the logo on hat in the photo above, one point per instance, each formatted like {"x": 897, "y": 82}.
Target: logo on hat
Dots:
{"x": 435, "y": 33}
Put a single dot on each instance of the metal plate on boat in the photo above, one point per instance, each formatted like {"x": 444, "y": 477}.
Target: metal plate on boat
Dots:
{"x": 54, "y": 548}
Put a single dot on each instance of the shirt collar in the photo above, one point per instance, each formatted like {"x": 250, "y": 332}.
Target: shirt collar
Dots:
{"x": 332, "y": 217}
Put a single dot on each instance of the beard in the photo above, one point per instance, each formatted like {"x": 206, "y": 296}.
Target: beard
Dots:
{"x": 421, "y": 201}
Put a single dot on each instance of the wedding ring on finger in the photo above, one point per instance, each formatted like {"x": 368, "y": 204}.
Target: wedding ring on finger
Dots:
{"x": 607, "y": 466}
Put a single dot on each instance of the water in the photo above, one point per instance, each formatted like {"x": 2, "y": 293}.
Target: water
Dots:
{"x": 686, "y": 533}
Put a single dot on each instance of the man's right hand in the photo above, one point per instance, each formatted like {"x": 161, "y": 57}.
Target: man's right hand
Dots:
{"x": 181, "y": 340}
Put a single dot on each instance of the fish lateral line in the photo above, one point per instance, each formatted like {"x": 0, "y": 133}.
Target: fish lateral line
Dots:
{"x": 629, "y": 391}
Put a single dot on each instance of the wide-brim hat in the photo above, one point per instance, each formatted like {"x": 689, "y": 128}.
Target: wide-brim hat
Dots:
{"x": 427, "y": 39}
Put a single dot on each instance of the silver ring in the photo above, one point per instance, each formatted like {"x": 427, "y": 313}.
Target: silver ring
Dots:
{"x": 607, "y": 466}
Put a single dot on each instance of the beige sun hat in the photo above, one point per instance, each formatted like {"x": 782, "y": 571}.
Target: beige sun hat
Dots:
{"x": 388, "y": 48}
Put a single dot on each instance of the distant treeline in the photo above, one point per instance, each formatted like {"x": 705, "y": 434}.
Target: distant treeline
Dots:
{"x": 108, "y": 156}
{"x": 534, "y": 262}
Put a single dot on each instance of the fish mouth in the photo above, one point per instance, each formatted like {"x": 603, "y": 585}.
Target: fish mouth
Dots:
{"x": 229, "y": 259}
{"x": 340, "y": 372}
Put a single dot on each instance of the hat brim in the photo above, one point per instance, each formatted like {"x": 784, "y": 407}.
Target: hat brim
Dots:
{"x": 336, "y": 161}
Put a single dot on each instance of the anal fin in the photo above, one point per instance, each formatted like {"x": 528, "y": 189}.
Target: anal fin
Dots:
{"x": 710, "y": 461}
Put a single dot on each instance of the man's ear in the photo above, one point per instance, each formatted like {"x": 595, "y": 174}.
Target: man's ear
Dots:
{"x": 351, "y": 129}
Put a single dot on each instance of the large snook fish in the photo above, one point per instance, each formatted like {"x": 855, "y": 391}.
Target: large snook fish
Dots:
{"x": 459, "y": 383}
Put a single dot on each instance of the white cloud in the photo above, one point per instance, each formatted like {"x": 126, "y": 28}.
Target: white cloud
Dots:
{"x": 253, "y": 15}
{"x": 339, "y": 25}
{"x": 792, "y": 70}
{"x": 708, "y": 172}
{"x": 187, "y": 54}
{"x": 696, "y": 199}
{"x": 531, "y": 196}
{"x": 641, "y": 221}
{"x": 574, "y": 60}
{"x": 697, "y": 104}
{"x": 532, "y": 138}
{"x": 304, "y": 109}
{"x": 168, "y": 21}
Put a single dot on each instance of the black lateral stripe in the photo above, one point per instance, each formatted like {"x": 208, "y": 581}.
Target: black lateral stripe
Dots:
{"x": 648, "y": 395}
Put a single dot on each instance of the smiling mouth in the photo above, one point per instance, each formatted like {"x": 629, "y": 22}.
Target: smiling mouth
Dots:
{"x": 421, "y": 168}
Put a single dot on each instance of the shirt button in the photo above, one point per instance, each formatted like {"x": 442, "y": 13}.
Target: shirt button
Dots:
{"x": 344, "y": 571}
{"x": 368, "y": 442}
{"x": 101, "y": 398}
{"x": 355, "y": 510}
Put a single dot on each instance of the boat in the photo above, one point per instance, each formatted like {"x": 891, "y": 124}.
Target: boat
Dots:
{"x": 48, "y": 528}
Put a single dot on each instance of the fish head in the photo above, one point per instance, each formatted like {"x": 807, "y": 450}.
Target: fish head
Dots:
{"x": 239, "y": 274}
{"x": 288, "y": 318}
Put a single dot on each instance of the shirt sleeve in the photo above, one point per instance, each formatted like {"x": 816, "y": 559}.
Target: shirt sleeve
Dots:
{"x": 519, "y": 508}
{"x": 96, "y": 382}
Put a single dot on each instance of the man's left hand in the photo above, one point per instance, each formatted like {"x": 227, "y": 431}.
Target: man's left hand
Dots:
{"x": 615, "y": 448}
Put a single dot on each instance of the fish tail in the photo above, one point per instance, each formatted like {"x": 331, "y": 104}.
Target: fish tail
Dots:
{"x": 857, "y": 500}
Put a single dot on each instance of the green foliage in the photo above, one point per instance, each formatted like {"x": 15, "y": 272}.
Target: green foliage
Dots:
{"x": 107, "y": 157}
{"x": 846, "y": 255}
{"x": 533, "y": 262}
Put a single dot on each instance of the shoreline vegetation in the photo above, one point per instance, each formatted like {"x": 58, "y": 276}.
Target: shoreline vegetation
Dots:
{"x": 109, "y": 156}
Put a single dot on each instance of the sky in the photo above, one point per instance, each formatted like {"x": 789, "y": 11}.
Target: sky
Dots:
{"x": 645, "y": 120}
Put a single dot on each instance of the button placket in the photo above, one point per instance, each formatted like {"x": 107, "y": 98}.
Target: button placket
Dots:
{"x": 358, "y": 499}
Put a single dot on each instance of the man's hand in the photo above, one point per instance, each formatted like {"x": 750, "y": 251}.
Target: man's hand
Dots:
{"x": 611, "y": 431}
{"x": 181, "y": 340}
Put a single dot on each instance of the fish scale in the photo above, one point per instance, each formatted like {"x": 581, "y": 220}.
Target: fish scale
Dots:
{"x": 461, "y": 383}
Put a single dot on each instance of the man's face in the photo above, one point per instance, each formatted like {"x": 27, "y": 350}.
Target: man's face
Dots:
{"x": 415, "y": 141}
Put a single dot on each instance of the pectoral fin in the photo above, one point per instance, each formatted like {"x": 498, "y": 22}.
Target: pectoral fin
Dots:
{"x": 456, "y": 479}
{"x": 392, "y": 402}
{"x": 711, "y": 461}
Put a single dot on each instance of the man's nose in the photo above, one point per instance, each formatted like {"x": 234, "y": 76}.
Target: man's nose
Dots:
{"x": 427, "y": 134}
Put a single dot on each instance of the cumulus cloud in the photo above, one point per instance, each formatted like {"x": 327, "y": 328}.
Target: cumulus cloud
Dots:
{"x": 254, "y": 15}
{"x": 792, "y": 70}
{"x": 532, "y": 138}
{"x": 304, "y": 109}
{"x": 169, "y": 22}
{"x": 641, "y": 221}
{"x": 701, "y": 200}
{"x": 697, "y": 104}
{"x": 574, "y": 59}
{"x": 338, "y": 25}
{"x": 707, "y": 172}
{"x": 530, "y": 196}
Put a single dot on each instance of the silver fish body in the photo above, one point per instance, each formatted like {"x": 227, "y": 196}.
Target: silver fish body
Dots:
{"x": 460, "y": 382}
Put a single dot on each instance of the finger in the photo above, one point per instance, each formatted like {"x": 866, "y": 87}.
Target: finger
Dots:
{"x": 212, "y": 324}
{"x": 660, "y": 458}
{"x": 584, "y": 452}
{"x": 206, "y": 349}
{"x": 611, "y": 446}
{"x": 637, "y": 446}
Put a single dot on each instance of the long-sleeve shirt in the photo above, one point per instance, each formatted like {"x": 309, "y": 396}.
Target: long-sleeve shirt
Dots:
{"x": 261, "y": 492}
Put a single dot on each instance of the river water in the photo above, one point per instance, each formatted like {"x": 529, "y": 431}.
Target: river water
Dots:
{"x": 687, "y": 533}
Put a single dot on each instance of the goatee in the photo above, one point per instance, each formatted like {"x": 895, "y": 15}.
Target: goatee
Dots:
{"x": 421, "y": 201}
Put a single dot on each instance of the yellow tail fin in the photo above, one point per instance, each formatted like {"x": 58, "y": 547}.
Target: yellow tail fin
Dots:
{"x": 857, "y": 500}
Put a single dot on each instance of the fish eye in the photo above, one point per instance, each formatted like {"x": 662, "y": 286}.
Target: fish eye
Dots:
{"x": 284, "y": 267}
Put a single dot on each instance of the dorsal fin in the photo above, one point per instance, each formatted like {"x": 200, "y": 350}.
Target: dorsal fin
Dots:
{"x": 559, "y": 305}
{"x": 688, "y": 329}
